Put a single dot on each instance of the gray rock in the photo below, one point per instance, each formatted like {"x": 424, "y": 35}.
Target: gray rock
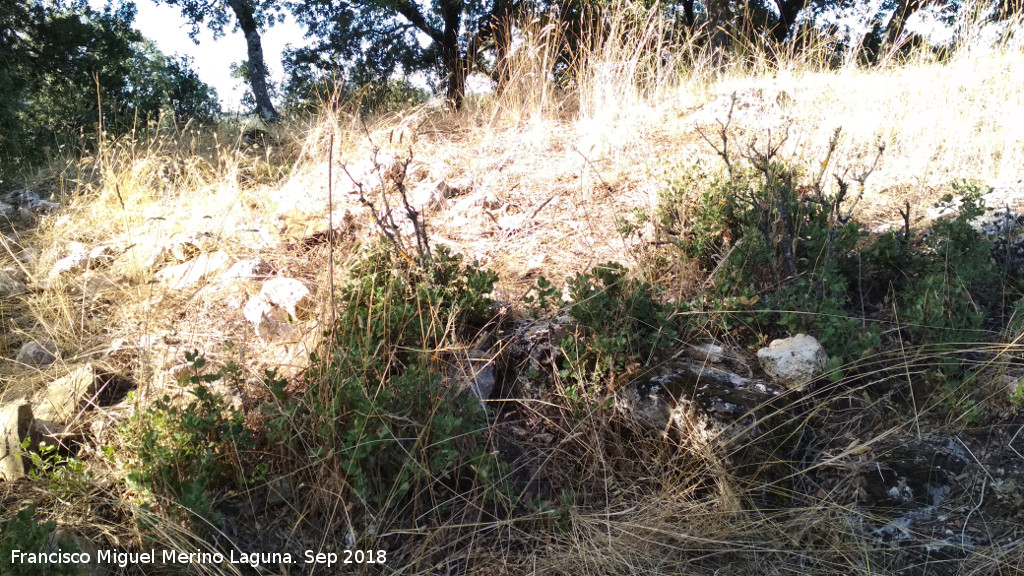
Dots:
{"x": 10, "y": 285}
{"x": 74, "y": 262}
{"x": 33, "y": 353}
{"x": 481, "y": 374}
{"x": 31, "y": 202}
{"x": 431, "y": 195}
{"x": 15, "y": 428}
{"x": 82, "y": 258}
{"x": 248, "y": 269}
{"x": 202, "y": 269}
{"x": 280, "y": 301}
{"x": 793, "y": 362}
{"x": 706, "y": 352}
{"x": 716, "y": 405}
{"x": 60, "y": 402}
{"x": 289, "y": 294}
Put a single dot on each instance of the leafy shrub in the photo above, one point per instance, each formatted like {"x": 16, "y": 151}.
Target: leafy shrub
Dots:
{"x": 620, "y": 323}
{"x": 25, "y": 533}
{"x": 377, "y": 406}
{"x": 954, "y": 279}
{"x": 186, "y": 451}
{"x": 775, "y": 247}
{"x": 621, "y": 319}
{"x": 66, "y": 474}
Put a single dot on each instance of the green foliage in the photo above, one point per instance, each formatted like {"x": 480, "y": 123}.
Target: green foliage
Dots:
{"x": 25, "y": 533}
{"x": 383, "y": 43}
{"x": 620, "y": 322}
{"x": 785, "y": 247}
{"x": 184, "y": 452}
{"x": 954, "y": 281}
{"x": 68, "y": 73}
{"x": 66, "y": 475}
{"x": 776, "y": 248}
{"x": 377, "y": 406}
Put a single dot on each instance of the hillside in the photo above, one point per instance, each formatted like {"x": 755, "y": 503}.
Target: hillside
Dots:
{"x": 228, "y": 343}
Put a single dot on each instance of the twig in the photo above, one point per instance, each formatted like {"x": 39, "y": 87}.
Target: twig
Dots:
{"x": 592, "y": 167}
{"x": 330, "y": 228}
{"x": 541, "y": 207}
{"x": 723, "y": 134}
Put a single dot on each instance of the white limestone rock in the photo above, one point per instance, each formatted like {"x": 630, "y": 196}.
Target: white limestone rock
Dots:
{"x": 793, "y": 362}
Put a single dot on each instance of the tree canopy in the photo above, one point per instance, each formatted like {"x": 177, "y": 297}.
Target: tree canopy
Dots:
{"x": 67, "y": 71}
{"x": 375, "y": 40}
{"x": 250, "y": 16}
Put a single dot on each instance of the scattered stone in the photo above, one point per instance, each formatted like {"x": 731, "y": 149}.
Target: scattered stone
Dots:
{"x": 234, "y": 295}
{"x": 715, "y": 405}
{"x": 31, "y": 202}
{"x": 15, "y": 428}
{"x": 706, "y": 352}
{"x": 289, "y": 294}
{"x": 74, "y": 262}
{"x": 203, "y": 268}
{"x": 793, "y": 362}
{"x": 36, "y": 354}
{"x": 481, "y": 374}
{"x": 82, "y": 258}
{"x": 29, "y": 255}
{"x": 184, "y": 251}
{"x": 279, "y": 301}
{"x": 93, "y": 284}
{"x": 909, "y": 474}
{"x": 10, "y": 285}
{"x": 431, "y": 196}
{"x": 60, "y": 402}
{"x": 248, "y": 269}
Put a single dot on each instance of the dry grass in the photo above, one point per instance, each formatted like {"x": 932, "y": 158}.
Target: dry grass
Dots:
{"x": 553, "y": 167}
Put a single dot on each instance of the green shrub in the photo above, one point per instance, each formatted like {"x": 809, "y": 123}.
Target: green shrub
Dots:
{"x": 66, "y": 475}
{"x": 620, "y": 323}
{"x": 377, "y": 407}
{"x": 954, "y": 280}
{"x": 776, "y": 249}
{"x": 185, "y": 452}
{"x": 25, "y": 533}
{"x": 622, "y": 320}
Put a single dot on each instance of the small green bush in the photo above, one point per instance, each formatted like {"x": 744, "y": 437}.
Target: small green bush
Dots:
{"x": 377, "y": 406}
{"x": 23, "y": 532}
{"x": 954, "y": 281}
{"x": 776, "y": 249}
{"x": 621, "y": 321}
{"x": 66, "y": 475}
{"x": 185, "y": 452}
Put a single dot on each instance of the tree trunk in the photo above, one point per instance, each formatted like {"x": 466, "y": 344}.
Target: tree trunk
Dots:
{"x": 256, "y": 64}
{"x": 905, "y": 9}
{"x": 689, "y": 14}
{"x": 719, "y": 17}
{"x": 454, "y": 63}
{"x": 788, "y": 11}
{"x": 501, "y": 30}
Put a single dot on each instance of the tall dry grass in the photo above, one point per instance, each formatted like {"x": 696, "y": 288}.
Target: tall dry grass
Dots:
{"x": 637, "y": 506}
